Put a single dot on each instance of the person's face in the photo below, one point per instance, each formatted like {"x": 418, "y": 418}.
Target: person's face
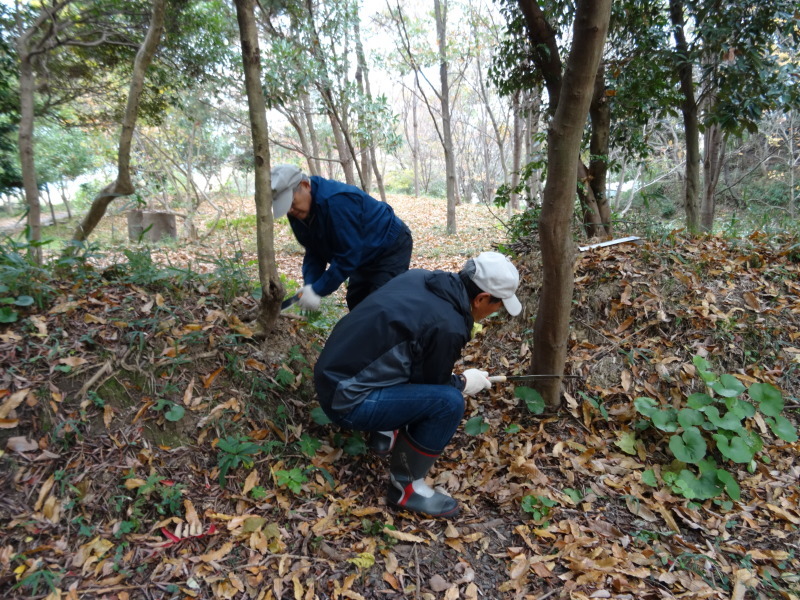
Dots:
{"x": 301, "y": 201}
{"x": 482, "y": 306}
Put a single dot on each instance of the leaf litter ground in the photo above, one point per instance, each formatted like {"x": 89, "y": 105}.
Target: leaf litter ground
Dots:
{"x": 116, "y": 405}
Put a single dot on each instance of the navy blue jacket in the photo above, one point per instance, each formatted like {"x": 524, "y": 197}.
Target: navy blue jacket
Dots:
{"x": 411, "y": 330}
{"x": 345, "y": 230}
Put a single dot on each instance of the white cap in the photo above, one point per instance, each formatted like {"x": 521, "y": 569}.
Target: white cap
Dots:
{"x": 497, "y": 275}
{"x": 284, "y": 179}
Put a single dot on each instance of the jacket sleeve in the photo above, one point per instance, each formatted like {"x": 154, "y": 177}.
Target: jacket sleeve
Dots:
{"x": 441, "y": 350}
{"x": 346, "y": 221}
{"x": 313, "y": 268}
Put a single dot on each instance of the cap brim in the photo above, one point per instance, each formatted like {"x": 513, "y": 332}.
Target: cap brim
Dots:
{"x": 281, "y": 203}
{"x": 512, "y": 305}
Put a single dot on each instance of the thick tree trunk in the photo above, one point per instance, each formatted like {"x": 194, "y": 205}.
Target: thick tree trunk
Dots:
{"x": 551, "y": 328}
{"x": 271, "y": 287}
{"x": 712, "y": 167}
{"x": 440, "y": 10}
{"x": 123, "y": 186}
{"x": 691, "y": 193}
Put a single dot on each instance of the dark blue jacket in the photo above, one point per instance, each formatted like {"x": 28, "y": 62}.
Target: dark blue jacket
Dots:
{"x": 345, "y": 230}
{"x": 411, "y": 330}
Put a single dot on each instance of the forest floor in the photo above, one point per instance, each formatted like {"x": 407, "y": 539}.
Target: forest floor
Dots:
{"x": 152, "y": 449}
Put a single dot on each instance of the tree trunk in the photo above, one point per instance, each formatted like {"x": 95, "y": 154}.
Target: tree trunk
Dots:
{"x": 271, "y": 287}
{"x": 313, "y": 160}
{"x": 600, "y": 113}
{"x": 362, "y": 81}
{"x": 551, "y": 328}
{"x": 690, "y": 119}
{"x": 516, "y": 155}
{"x": 712, "y": 167}
{"x": 123, "y": 186}
{"x": 447, "y": 136}
{"x": 27, "y": 165}
{"x": 415, "y": 145}
{"x": 50, "y": 205}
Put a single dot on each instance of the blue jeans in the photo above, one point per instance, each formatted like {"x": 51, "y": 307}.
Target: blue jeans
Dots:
{"x": 429, "y": 413}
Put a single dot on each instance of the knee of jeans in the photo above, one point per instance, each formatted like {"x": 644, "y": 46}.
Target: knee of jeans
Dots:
{"x": 455, "y": 402}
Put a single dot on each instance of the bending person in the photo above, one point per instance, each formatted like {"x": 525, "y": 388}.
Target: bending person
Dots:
{"x": 388, "y": 366}
{"x": 346, "y": 234}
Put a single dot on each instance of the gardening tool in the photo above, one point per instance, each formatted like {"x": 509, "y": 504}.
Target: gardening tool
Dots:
{"x": 504, "y": 378}
{"x": 291, "y": 300}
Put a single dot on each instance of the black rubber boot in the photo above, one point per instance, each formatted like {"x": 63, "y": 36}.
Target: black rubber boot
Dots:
{"x": 381, "y": 442}
{"x": 408, "y": 489}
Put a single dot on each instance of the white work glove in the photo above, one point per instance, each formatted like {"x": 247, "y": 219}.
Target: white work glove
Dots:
{"x": 309, "y": 300}
{"x": 477, "y": 381}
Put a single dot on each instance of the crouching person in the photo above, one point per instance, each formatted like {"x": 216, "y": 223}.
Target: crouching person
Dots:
{"x": 387, "y": 368}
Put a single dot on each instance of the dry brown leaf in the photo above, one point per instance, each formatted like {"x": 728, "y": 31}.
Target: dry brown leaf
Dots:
{"x": 218, "y": 554}
{"x": 21, "y": 444}
{"x": 208, "y": 380}
{"x": 12, "y": 402}
{"x": 403, "y": 536}
{"x": 250, "y": 482}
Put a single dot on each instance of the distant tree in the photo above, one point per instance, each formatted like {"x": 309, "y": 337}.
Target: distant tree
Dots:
{"x": 62, "y": 48}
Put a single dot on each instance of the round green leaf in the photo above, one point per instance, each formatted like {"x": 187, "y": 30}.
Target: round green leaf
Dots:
{"x": 728, "y": 386}
{"x": 688, "y": 417}
{"x": 533, "y": 399}
{"x": 740, "y": 448}
{"x": 627, "y": 442}
{"x": 699, "y": 400}
{"x": 731, "y": 485}
{"x": 768, "y": 397}
{"x": 728, "y": 421}
{"x": 8, "y": 315}
{"x": 697, "y": 488}
{"x": 783, "y": 428}
{"x": 688, "y": 447}
{"x": 649, "y": 478}
{"x": 476, "y": 426}
{"x": 666, "y": 420}
{"x": 646, "y": 406}
{"x": 175, "y": 413}
{"x": 741, "y": 408}
{"x": 24, "y": 301}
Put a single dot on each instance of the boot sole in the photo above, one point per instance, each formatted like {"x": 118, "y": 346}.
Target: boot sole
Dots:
{"x": 445, "y": 515}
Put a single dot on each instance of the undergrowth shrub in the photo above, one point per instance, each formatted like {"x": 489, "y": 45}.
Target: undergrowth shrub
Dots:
{"x": 23, "y": 283}
{"x": 715, "y": 427}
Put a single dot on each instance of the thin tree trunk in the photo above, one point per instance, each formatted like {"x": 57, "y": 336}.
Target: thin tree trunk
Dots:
{"x": 415, "y": 145}
{"x": 712, "y": 167}
{"x": 551, "y": 328}
{"x": 313, "y": 160}
{"x": 362, "y": 82}
{"x": 271, "y": 287}
{"x": 690, "y": 119}
{"x": 122, "y": 186}
{"x": 600, "y": 114}
{"x": 447, "y": 141}
{"x": 516, "y": 155}
{"x": 27, "y": 164}
{"x": 62, "y": 189}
